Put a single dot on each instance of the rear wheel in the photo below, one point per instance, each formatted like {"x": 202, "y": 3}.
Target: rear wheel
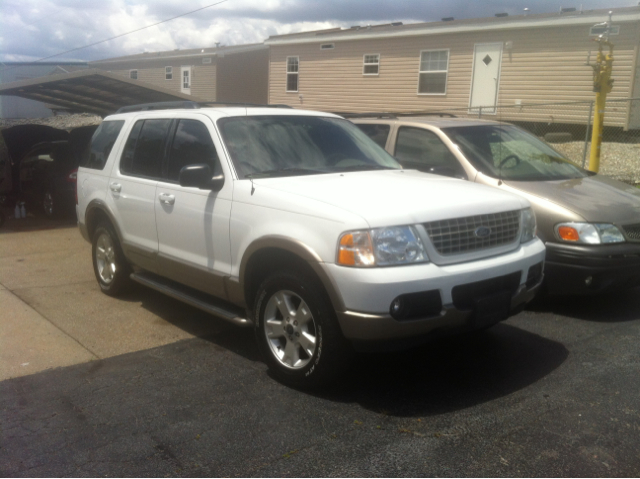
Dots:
{"x": 49, "y": 204}
{"x": 298, "y": 332}
{"x": 109, "y": 265}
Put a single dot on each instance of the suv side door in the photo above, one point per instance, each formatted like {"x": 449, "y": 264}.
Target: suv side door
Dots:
{"x": 193, "y": 223}
{"x": 132, "y": 188}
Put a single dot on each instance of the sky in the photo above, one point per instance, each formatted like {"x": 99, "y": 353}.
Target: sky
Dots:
{"x": 31, "y": 30}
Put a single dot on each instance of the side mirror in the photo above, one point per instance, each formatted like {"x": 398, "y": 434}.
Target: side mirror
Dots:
{"x": 200, "y": 176}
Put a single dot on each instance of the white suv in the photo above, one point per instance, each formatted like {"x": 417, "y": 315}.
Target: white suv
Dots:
{"x": 296, "y": 223}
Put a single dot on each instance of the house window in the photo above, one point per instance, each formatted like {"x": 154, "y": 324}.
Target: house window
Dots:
{"x": 133, "y": 74}
{"x": 434, "y": 65}
{"x": 292, "y": 73}
{"x": 371, "y": 64}
{"x": 206, "y": 61}
{"x": 327, "y": 46}
{"x": 168, "y": 73}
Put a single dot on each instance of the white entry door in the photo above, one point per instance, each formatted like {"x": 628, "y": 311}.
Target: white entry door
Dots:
{"x": 186, "y": 80}
{"x": 487, "y": 58}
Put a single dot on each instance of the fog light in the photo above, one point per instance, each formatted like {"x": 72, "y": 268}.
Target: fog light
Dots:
{"x": 396, "y": 307}
{"x": 588, "y": 280}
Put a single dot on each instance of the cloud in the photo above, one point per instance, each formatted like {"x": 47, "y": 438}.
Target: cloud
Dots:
{"x": 34, "y": 29}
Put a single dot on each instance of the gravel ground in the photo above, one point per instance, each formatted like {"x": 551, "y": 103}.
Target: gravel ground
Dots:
{"x": 61, "y": 121}
{"x": 618, "y": 160}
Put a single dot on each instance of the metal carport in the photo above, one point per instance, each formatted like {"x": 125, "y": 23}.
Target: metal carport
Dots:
{"x": 91, "y": 91}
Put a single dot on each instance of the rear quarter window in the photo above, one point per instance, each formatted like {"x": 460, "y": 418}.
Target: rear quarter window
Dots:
{"x": 102, "y": 142}
{"x": 378, "y": 133}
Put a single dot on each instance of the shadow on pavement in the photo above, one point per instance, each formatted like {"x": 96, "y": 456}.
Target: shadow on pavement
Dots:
{"x": 450, "y": 374}
{"x": 35, "y": 223}
{"x": 614, "y": 307}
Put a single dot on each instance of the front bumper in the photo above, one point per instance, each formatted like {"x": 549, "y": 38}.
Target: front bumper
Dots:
{"x": 587, "y": 269}
{"x": 467, "y": 296}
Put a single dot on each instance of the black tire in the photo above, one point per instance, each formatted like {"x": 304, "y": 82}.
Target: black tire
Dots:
{"x": 109, "y": 264}
{"x": 332, "y": 353}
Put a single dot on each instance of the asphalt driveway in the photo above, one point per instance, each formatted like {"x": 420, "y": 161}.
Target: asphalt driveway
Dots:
{"x": 146, "y": 386}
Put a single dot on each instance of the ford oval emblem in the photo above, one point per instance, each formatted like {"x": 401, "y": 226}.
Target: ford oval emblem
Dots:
{"x": 482, "y": 232}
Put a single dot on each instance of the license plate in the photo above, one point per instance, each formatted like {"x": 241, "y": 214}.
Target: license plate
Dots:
{"x": 492, "y": 309}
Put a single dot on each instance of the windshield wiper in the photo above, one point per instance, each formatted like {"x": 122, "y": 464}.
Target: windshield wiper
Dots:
{"x": 289, "y": 171}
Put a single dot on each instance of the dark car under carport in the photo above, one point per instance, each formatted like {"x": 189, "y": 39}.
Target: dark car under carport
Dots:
{"x": 51, "y": 191}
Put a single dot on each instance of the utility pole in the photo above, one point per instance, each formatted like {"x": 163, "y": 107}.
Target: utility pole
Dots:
{"x": 602, "y": 84}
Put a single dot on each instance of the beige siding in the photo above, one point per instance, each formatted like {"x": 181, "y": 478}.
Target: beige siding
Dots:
{"x": 203, "y": 77}
{"x": 243, "y": 77}
{"x": 543, "y": 66}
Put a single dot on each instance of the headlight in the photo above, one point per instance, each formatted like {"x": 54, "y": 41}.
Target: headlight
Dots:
{"x": 528, "y": 225}
{"x": 381, "y": 247}
{"x": 589, "y": 233}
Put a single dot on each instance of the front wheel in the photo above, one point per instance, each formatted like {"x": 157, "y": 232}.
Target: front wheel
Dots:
{"x": 109, "y": 265}
{"x": 298, "y": 332}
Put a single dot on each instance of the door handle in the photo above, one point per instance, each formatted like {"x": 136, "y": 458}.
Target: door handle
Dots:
{"x": 115, "y": 187}
{"x": 167, "y": 199}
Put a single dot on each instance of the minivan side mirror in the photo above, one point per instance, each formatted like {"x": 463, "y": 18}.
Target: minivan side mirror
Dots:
{"x": 200, "y": 176}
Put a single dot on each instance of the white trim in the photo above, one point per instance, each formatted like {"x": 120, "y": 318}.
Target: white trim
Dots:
{"x": 365, "y": 64}
{"x": 296, "y": 73}
{"x": 131, "y": 73}
{"x": 439, "y": 29}
{"x": 446, "y": 72}
{"x": 615, "y": 30}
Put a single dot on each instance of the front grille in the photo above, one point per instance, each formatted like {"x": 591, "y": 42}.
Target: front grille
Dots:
{"x": 458, "y": 235}
{"x": 632, "y": 232}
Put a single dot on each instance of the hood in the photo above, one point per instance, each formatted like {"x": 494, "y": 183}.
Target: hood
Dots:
{"x": 397, "y": 197}
{"x": 598, "y": 199}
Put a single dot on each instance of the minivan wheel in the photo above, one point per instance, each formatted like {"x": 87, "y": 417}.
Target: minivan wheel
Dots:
{"x": 109, "y": 264}
{"x": 49, "y": 206}
{"x": 298, "y": 332}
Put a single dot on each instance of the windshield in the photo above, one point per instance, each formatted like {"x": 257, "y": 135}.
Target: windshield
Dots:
{"x": 507, "y": 152}
{"x": 288, "y": 145}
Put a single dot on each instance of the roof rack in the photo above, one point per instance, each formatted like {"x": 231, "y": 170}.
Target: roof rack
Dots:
{"x": 395, "y": 115}
{"x": 189, "y": 105}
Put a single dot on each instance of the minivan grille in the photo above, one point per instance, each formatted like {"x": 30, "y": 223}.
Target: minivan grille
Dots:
{"x": 632, "y": 231}
{"x": 472, "y": 233}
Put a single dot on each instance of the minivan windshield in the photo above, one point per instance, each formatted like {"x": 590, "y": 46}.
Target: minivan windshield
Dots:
{"x": 291, "y": 145}
{"x": 509, "y": 153}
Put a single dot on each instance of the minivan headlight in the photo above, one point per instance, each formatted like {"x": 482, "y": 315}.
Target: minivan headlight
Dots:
{"x": 528, "y": 225}
{"x": 589, "y": 233}
{"x": 396, "y": 245}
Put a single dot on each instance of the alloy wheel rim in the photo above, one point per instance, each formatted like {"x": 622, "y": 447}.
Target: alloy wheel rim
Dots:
{"x": 290, "y": 329}
{"x": 105, "y": 258}
{"x": 48, "y": 204}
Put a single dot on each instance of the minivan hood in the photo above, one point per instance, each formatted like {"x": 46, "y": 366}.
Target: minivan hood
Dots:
{"x": 598, "y": 199}
{"x": 396, "y": 197}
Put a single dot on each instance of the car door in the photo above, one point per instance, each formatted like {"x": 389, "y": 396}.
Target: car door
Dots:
{"x": 420, "y": 149}
{"x": 193, "y": 224}
{"x": 132, "y": 189}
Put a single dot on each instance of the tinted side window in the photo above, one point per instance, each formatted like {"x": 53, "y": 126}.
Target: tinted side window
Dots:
{"x": 422, "y": 149}
{"x": 378, "y": 133}
{"x": 130, "y": 148}
{"x": 101, "y": 143}
{"x": 148, "y": 149}
{"x": 191, "y": 144}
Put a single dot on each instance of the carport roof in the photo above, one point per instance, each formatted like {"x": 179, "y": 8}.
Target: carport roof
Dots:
{"x": 91, "y": 91}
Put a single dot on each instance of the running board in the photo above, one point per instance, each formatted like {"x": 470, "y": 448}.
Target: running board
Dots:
{"x": 193, "y": 298}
